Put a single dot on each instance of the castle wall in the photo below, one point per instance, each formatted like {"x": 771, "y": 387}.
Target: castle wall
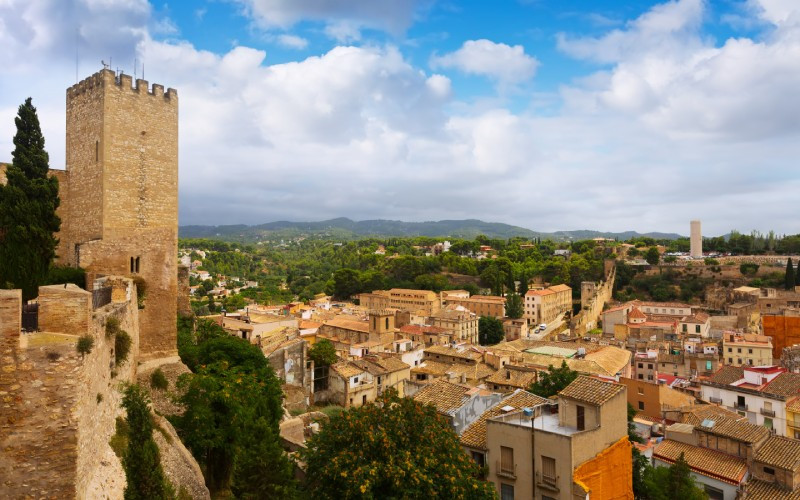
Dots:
{"x": 64, "y": 308}
{"x": 58, "y": 409}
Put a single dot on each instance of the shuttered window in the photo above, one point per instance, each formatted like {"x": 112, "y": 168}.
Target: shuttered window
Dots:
{"x": 506, "y": 459}
{"x": 549, "y": 469}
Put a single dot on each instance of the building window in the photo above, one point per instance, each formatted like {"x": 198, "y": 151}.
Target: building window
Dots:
{"x": 364, "y": 399}
{"x": 640, "y": 376}
{"x": 387, "y": 323}
{"x": 506, "y": 491}
{"x": 739, "y": 349}
{"x": 697, "y": 329}
{"x": 581, "y": 420}
{"x": 641, "y": 365}
{"x": 506, "y": 459}
{"x": 749, "y": 351}
{"x": 640, "y": 391}
{"x": 132, "y": 265}
{"x": 768, "y": 423}
{"x": 649, "y": 366}
{"x": 137, "y": 264}
{"x": 96, "y": 151}
{"x": 730, "y": 349}
{"x": 549, "y": 469}
{"x": 641, "y": 405}
{"x": 769, "y": 470}
{"x": 479, "y": 458}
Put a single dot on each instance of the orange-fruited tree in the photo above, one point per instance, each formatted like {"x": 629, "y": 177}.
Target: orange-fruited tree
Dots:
{"x": 392, "y": 448}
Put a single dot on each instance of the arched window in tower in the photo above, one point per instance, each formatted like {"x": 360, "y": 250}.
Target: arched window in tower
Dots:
{"x": 133, "y": 265}
{"x": 96, "y": 151}
{"x": 137, "y": 264}
{"x": 387, "y": 323}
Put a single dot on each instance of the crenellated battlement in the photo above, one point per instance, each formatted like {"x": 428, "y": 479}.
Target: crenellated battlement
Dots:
{"x": 107, "y": 77}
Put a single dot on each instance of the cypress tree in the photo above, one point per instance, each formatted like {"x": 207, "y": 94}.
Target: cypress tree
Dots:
{"x": 142, "y": 461}
{"x": 790, "y": 277}
{"x": 28, "y": 205}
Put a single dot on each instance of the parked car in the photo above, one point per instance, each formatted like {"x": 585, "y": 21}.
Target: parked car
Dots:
{"x": 543, "y": 326}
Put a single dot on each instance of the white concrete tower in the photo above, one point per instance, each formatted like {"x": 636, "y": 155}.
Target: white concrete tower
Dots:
{"x": 695, "y": 239}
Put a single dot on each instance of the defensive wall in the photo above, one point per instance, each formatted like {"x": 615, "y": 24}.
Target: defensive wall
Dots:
{"x": 57, "y": 407}
{"x": 593, "y": 299}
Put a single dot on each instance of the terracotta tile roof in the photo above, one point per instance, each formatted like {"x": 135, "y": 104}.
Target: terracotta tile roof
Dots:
{"x": 793, "y": 405}
{"x": 411, "y": 329}
{"x": 727, "y": 375}
{"x": 670, "y": 358}
{"x": 762, "y": 490}
{"x": 699, "y": 318}
{"x": 306, "y": 324}
{"x": 785, "y": 384}
{"x": 446, "y": 397}
{"x": 370, "y": 367}
{"x": 591, "y": 390}
{"x": 348, "y": 324}
{"x": 780, "y": 452}
{"x": 534, "y": 293}
{"x": 513, "y": 377}
{"x": 704, "y": 461}
{"x": 454, "y": 353}
{"x": 665, "y": 304}
{"x": 432, "y": 368}
{"x": 474, "y": 436}
{"x": 740, "y": 430}
{"x": 696, "y": 415}
{"x": 391, "y": 364}
{"x": 635, "y": 313}
{"x": 560, "y": 288}
{"x": 347, "y": 369}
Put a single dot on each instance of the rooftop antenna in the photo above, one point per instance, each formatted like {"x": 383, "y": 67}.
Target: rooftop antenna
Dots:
{"x": 135, "y": 62}
{"x": 105, "y": 65}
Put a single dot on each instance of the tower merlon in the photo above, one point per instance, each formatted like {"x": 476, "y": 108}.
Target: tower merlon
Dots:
{"x": 123, "y": 81}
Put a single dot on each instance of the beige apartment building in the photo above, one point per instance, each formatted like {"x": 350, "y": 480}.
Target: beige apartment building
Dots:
{"x": 544, "y": 305}
{"x": 745, "y": 349}
{"x": 459, "y": 320}
{"x": 574, "y": 448}
{"x": 403, "y": 299}
{"x": 482, "y": 305}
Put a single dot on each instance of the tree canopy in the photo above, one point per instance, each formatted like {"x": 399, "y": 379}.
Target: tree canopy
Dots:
{"x": 390, "y": 449}
{"x": 513, "y": 305}
{"x": 668, "y": 483}
{"x": 553, "y": 381}
{"x": 232, "y": 407}
{"x": 323, "y": 353}
{"x": 790, "y": 278}
{"x": 28, "y": 202}
{"x": 490, "y": 330}
{"x": 652, "y": 256}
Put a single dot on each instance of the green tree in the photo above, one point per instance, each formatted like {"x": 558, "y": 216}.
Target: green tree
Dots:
{"x": 141, "y": 461}
{"x": 323, "y": 353}
{"x": 553, "y": 381}
{"x": 523, "y": 285}
{"x": 668, "y": 483}
{"x": 790, "y": 278}
{"x": 652, "y": 256}
{"x": 748, "y": 268}
{"x": 513, "y": 305}
{"x": 346, "y": 283}
{"x": 490, "y": 330}
{"x": 28, "y": 203}
{"x": 393, "y": 448}
{"x": 232, "y": 409}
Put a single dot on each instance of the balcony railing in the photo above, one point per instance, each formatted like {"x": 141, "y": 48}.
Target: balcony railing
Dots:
{"x": 547, "y": 482}
{"x": 715, "y": 400}
{"x": 740, "y": 406}
{"x": 767, "y": 413}
{"x": 506, "y": 470}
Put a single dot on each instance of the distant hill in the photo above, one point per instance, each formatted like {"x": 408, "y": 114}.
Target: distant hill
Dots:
{"x": 346, "y": 229}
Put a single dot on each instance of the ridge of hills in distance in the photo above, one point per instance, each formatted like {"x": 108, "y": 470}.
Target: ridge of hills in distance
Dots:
{"x": 346, "y": 229}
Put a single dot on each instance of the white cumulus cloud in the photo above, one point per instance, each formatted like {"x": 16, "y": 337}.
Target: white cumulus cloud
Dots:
{"x": 506, "y": 64}
{"x": 292, "y": 41}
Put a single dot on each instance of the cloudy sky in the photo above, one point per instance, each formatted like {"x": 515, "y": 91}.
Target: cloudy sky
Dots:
{"x": 631, "y": 115}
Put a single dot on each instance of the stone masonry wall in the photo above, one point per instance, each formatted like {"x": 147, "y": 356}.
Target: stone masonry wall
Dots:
{"x": 58, "y": 409}
{"x": 64, "y": 308}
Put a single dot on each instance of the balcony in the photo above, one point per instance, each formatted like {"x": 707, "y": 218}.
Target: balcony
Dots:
{"x": 767, "y": 413}
{"x": 715, "y": 400}
{"x": 506, "y": 470}
{"x": 740, "y": 406}
{"x": 547, "y": 482}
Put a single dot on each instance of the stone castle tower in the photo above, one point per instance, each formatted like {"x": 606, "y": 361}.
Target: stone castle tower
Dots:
{"x": 119, "y": 194}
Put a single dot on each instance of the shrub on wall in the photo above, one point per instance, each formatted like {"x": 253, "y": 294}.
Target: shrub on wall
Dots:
{"x": 158, "y": 380}
{"x": 112, "y": 327}
{"x": 85, "y": 344}
{"x": 122, "y": 346}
